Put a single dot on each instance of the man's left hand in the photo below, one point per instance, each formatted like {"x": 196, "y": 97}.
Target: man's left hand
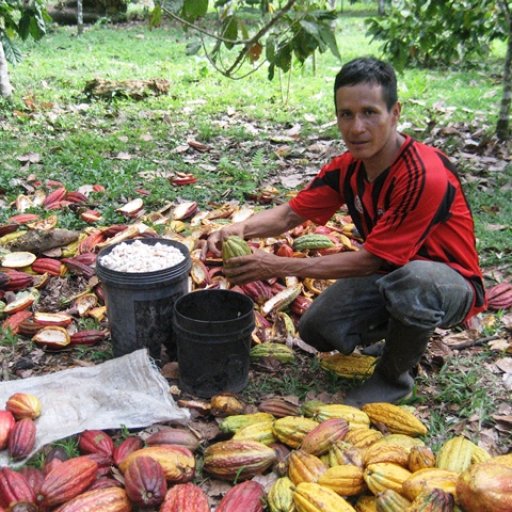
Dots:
{"x": 256, "y": 266}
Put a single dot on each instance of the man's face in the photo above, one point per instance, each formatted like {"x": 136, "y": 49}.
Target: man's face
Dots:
{"x": 365, "y": 124}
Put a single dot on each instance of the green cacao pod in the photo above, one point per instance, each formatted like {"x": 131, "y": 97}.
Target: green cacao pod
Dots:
{"x": 312, "y": 242}
{"x": 234, "y": 246}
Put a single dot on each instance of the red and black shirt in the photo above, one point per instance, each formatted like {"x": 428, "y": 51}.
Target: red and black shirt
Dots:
{"x": 414, "y": 210}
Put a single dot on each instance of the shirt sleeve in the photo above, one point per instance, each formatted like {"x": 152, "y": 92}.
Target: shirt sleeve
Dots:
{"x": 322, "y": 198}
{"x": 419, "y": 201}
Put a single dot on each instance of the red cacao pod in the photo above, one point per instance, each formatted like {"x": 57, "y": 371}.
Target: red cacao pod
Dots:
{"x": 129, "y": 445}
{"x": 33, "y": 476}
{"x": 245, "y": 497}
{"x": 67, "y": 480}
{"x": 14, "y": 488}
{"x": 93, "y": 441}
{"x": 189, "y": 497}
{"x": 6, "y": 424}
{"x": 111, "y": 499}
{"x": 144, "y": 482}
{"x": 104, "y": 482}
{"x": 24, "y": 405}
{"x": 22, "y": 439}
{"x": 177, "y": 436}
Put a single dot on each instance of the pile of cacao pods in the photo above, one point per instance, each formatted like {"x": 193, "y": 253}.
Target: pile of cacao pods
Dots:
{"x": 284, "y": 457}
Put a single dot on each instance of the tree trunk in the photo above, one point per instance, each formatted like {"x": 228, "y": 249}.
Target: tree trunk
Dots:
{"x": 503, "y": 126}
{"x": 79, "y": 17}
{"x": 5, "y": 83}
{"x": 381, "y": 7}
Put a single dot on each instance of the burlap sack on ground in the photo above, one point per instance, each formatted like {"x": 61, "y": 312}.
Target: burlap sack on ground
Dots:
{"x": 127, "y": 391}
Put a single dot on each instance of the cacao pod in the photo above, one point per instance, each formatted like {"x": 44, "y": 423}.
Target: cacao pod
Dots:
{"x": 353, "y": 366}
{"x": 127, "y": 446}
{"x": 485, "y": 487}
{"x": 144, "y": 481}
{"x": 177, "y": 436}
{"x": 396, "y": 419}
{"x": 233, "y": 423}
{"x": 225, "y": 404}
{"x": 240, "y": 459}
{"x": 22, "y": 439}
{"x": 177, "y": 462}
{"x": 110, "y": 499}
{"x": 261, "y": 432}
{"x": 185, "y": 497}
{"x": 244, "y": 497}
{"x": 234, "y": 246}
{"x": 34, "y": 477}
{"x": 23, "y": 506}
{"x": 311, "y": 497}
{"x": 291, "y": 430}
{"x": 352, "y": 415}
{"x": 67, "y": 480}
{"x": 94, "y": 441}
{"x": 24, "y": 405}
{"x": 391, "y": 501}
{"x": 427, "y": 480}
{"x": 366, "y": 504}
{"x": 386, "y": 453}
{"x": 344, "y": 453}
{"x": 455, "y": 454}
{"x": 312, "y": 242}
{"x": 363, "y": 437}
{"x": 345, "y": 480}
{"x": 420, "y": 457}
{"x": 279, "y": 407}
{"x": 304, "y": 467}
{"x": 14, "y": 488}
{"x": 278, "y": 351}
{"x": 280, "y": 496}
{"x": 406, "y": 442}
{"x": 435, "y": 500}
{"x": 319, "y": 440}
{"x": 385, "y": 475}
{"x": 6, "y": 424}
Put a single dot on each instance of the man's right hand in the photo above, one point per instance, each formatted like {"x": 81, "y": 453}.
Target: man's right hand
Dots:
{"x": 217, "y": 237}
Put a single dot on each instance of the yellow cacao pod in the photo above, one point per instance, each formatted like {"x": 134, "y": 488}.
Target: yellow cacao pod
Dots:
{"x": 353, "y": 366}
{"x": 435, "y": 500}
{"x": 280, "y": 496}
{"x": 385, "y": 475}
{"x": 261, "y": 432}
{"x": 226, "y": 404}
{"x": 311, "y": 497}
{"x": 363, "y": 437}
{"x": 428, "y": 479}
{"x": 485, "y": 487}
{"x": 352, "y": 415}
{"x": 342, "y": 452}
{"x": 304, "y": 467}
{"x": 391, "y": 501}
{"x": 366, "y": 504}
{"x": 480, "y": 455}
{"x": 402, "y": 440}
{"x": 395, "y": 418}
{"x": 291, "y": 430}
{"x": 506, "y": 460}
{"x": 455, "y": 454}
{"x": 386, "y": 453}
{"x": 233, "y": 423}
{"x": 345, "y": 480}
{"x": 421, "y": 457}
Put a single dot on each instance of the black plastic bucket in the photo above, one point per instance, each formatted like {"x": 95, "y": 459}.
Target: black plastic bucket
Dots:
{"x": 140, "y": 305}
{"x": 213, "y": 336}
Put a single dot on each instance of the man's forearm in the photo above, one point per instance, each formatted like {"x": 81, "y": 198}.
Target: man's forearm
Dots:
{"x": 272, "y": 222}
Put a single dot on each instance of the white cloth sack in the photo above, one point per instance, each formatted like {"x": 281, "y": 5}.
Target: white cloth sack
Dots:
{"x": 127, "y": 391}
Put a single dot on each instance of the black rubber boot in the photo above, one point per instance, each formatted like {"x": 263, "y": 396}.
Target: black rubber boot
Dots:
{"x": 392, "y": 379}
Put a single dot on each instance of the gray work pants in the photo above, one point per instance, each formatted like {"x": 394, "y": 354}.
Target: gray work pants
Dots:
{"x": 356, "y": 310}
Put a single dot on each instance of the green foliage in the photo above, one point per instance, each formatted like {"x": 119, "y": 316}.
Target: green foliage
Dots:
{"x": 438, "y": 32}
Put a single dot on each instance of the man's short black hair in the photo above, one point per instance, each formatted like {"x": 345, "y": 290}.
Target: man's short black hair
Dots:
{"x": 369, "y": 70}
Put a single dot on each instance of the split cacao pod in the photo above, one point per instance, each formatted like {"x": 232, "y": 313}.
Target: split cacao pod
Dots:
{"x": 244, "y": 497}
{"x": 144, "y": 481}
{"x": 304, "y": 467}
{"x": 291, "y": 430}
{"x": 485, "y": 487}
{"x": 67, "y": 480}
{"x": 177, "y": 461}
{"x": 189, "y": 497}
{"x": 385, "y": 475}
{"x": 94, "y": 441}
{"x": 280, "y": 495}
{"x": 319, "y": 440}
{"x": 345, "y": 480}
{"x": 6, "y": 424}
{"x": 14, "y": 488}
{"x": 311, "y": 497}
{"x": 241, "y": 459}
{"x": 396, "y": 419}
{"x": 127, "y": 446}
{"x": 24, "y": 405}
{"x": 110, "y": 499}
{"x": 22, "y": 439}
